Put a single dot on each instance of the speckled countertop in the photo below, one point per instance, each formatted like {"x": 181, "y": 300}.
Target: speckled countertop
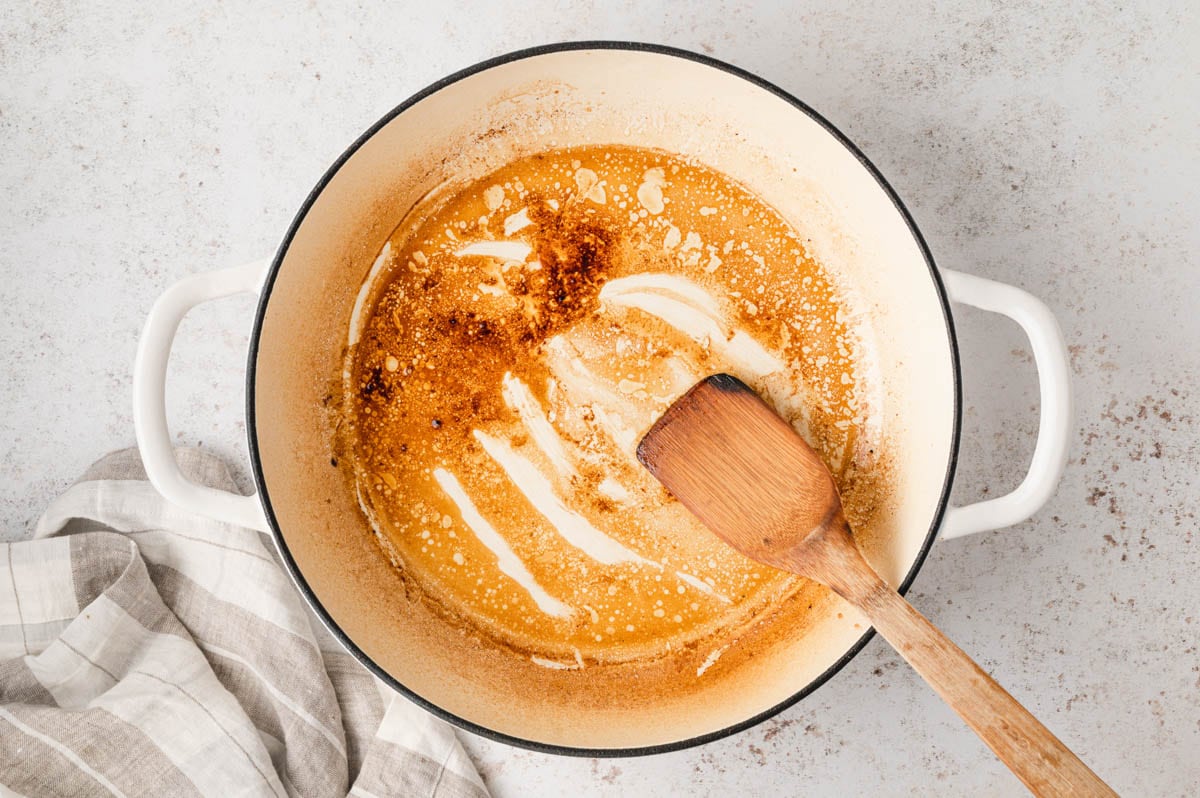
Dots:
{"x": 1056, "y": 150}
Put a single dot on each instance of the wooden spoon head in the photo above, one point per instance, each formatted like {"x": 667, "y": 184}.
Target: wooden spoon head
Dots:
{"x": 743, "y": 471}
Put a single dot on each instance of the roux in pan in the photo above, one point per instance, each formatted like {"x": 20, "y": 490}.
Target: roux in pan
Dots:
{"x": 516, "y": 338}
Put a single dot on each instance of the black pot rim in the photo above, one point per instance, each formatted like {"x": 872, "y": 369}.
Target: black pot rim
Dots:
{"x": 256, "y": 463}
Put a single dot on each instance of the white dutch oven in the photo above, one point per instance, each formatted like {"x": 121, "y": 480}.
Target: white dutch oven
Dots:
{"x": 465, "y": 126}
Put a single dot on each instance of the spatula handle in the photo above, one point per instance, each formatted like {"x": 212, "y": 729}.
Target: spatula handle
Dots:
{"x": 1037, "y": 757}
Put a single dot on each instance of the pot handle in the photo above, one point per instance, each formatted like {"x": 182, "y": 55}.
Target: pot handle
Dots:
{"x": 1054, "y": 429}
{"x": 149, "y": 401}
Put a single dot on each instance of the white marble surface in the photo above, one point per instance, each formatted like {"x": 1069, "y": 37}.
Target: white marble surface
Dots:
{"x": 1053, "y": 149}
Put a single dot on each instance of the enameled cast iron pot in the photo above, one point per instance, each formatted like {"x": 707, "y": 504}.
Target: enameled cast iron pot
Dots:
{"x": 467, "y": 125}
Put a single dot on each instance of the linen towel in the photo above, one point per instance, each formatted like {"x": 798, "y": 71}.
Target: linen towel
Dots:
{"x": 148, "y": 651}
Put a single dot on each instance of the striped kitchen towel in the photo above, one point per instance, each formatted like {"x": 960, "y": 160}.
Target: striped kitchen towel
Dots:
{"x": 148, "y": 651}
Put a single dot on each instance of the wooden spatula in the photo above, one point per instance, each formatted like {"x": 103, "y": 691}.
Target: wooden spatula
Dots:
{"x": 744, "y": 472}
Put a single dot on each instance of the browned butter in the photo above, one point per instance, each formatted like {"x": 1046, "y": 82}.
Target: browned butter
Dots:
{"x": 518, "y": 336}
